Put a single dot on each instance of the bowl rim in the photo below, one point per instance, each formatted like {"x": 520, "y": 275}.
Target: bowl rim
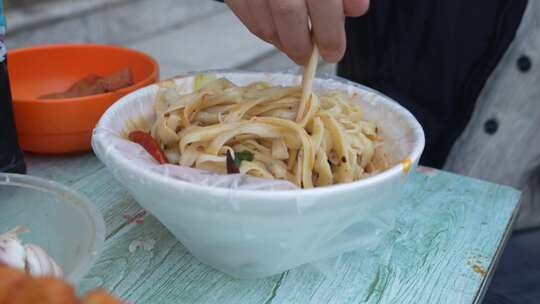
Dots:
{"x": 70, "y": 197}
{"x": 147, "y": 80}
{"x": 400, "y": 169}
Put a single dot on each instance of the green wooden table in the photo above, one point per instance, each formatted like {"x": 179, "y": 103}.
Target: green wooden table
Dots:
{"x": 443, "y": 249}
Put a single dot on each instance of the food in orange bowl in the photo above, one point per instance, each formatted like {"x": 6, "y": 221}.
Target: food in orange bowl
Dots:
{"x": 65, "y": 125}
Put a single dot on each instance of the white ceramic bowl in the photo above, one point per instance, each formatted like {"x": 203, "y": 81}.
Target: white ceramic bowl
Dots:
{"x": 61, "y": 221}
{"x": 258, "y": 233}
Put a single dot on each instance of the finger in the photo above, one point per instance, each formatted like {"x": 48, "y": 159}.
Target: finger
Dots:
{"x": 260, "y": 13}
{"x": 328, "y": 26}
{"x": 291, "y": 21}
{"x": 355, "y": 8}
{"x": 241, "y": 10}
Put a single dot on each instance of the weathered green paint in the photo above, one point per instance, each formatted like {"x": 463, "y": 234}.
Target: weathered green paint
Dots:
{"x": 442, "y": 250}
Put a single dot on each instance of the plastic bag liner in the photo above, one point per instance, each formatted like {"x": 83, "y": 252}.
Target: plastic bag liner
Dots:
{"x": 249, "y": 227}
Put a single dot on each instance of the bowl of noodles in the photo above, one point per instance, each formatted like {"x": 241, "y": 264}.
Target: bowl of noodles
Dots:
{"x": 252, "y": 180}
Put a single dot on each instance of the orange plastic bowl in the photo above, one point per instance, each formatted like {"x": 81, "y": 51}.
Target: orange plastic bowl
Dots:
{"x": 65, "y": 125}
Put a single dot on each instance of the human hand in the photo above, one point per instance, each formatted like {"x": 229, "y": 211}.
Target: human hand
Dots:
{"x": 285, "y": 24}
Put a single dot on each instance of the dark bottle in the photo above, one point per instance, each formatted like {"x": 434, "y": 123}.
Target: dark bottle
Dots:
{"x": 11, "y": 157}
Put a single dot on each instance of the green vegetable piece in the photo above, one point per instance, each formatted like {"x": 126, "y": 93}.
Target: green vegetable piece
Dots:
{"x": 201, "y": 80}
{"x": 244, "y": 155}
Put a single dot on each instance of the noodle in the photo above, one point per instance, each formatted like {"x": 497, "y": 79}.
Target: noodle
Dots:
{"x": 310, "y": 140}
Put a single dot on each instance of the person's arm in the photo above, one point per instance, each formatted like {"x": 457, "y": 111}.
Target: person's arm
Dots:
{"x": 285, "y": 24}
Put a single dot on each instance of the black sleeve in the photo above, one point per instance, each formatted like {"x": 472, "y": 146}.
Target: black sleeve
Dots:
{"x": 433, "y": 57}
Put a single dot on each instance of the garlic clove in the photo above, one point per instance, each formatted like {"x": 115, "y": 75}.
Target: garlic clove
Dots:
{"x": 12, "y": 252}
{"x": 30, "y": 258}
{"x": 40, "y": 264}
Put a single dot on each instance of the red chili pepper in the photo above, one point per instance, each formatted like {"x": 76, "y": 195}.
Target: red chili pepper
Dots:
{"x": 149, "y": 144}
{"x": 232, "y": 168}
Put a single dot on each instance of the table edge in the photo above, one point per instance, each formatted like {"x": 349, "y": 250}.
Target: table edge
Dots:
{"x": 496, "y": 258}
